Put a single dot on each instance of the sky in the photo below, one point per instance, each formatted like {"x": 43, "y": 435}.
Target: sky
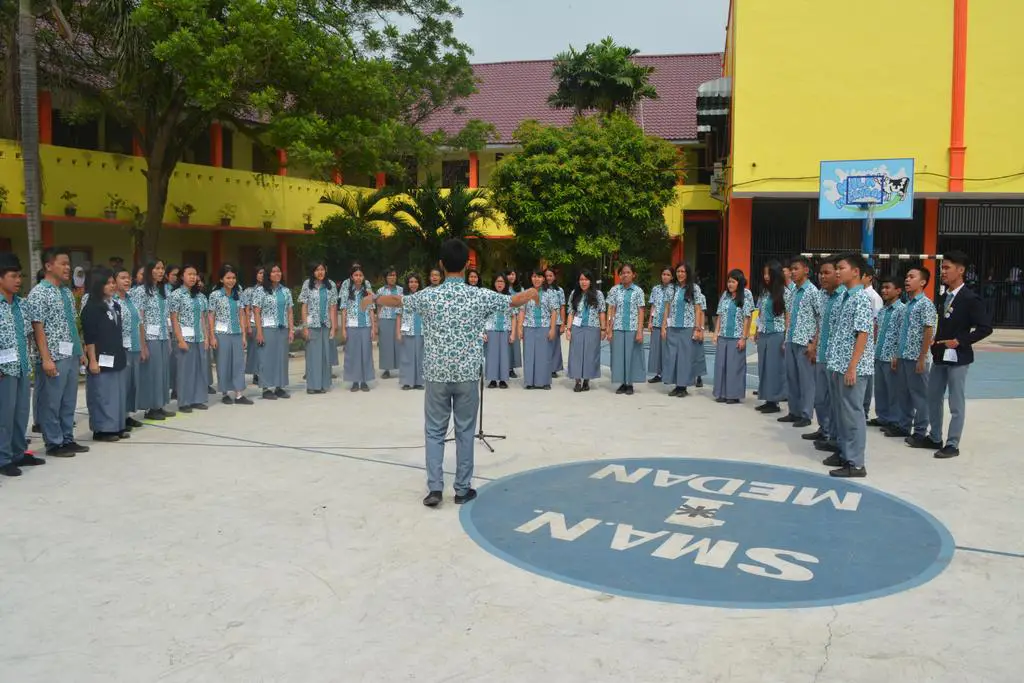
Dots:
{"x": 505, "y": 30}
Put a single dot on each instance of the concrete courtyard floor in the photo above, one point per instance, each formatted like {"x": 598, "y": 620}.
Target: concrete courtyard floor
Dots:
{"x": 286, "y": 542}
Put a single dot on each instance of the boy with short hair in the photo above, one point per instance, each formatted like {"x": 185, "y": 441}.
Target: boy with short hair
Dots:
{"x": 829, "y": 296}
{"x": 802, "y": 308}
{"x": 851, "y": 360}
{"x": 917, "y": 325}
{"x": 887, "y": 326}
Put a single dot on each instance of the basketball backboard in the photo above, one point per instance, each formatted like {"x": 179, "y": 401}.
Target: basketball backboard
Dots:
{"x": 848, "y": 189}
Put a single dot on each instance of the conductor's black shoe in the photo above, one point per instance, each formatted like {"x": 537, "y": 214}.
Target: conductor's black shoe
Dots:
{"x": 674, "y": 392}
{"x": 105, "y": 436}
{"x": 769, "y": 407}
{"x": 788, "y": 418}
{"x": 492, "y": 385}
{"x": 578, "y": 388}
{"x": 469, "y": 495}
{"x": 834, "y": 460}
{"x": 848, "y": 471}
{"x": 210, "y": 390}
{"x": 813, "y": 436}
{"x": 654, "y": 380}
{"x": 875, "y": 422}
{"x": 503, "y": 385}
{"x": 167, "y": 413}
{"x": 433, "y": 499}
{"x": 947, "y": 452}
{"x": 682, "y": 393}
{"x": 621, "y": 389}
{"x": 76, "y": 447}
{"x": 732, "y": 401}
{"x": 36, "y": 429}
{"x": 894, "y": 431}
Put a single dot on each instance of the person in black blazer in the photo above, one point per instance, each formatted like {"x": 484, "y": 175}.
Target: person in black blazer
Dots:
{"x": 963, "y": 322}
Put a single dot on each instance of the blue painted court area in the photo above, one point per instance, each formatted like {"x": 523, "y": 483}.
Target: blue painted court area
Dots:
{"x": 709, "y": 532}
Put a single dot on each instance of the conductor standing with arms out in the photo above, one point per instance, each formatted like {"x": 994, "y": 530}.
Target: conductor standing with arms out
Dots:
{"x": 453, "y": 316}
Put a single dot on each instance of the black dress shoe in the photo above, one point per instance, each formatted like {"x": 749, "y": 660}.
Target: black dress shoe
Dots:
{"x": 586, "y": 385}
{"x": 813, "y": 436}
{"x": 801, "y": 423}
{"x": 654, "y": 380}
{"x": 243, "y": 401}
{"x": 469, "y": 495}
{"x": 674, "y": 392}
{"x": 578, "y": 388}
{"x": 363, "y": 386}
{"x": 281, "y": 393}
{"x": 915, "y": 441}
{"x": 682, "y": 393}
{"x": 720, "y": 400}
{"x": 731, "y": 401}
{"x": 699, "y": 383}
{"x": 200, "y": 406}
{"x": 355, "y": 388}
{"x": 10, "y": 470}
{"x": 493, "y": 384}
{"x": 875, "y": 422}
{"x": 826, "y": 446}
{"x": 132, "y": 422}
{"x": 894, "y": 431}
{"x": 76, "y": 447}
{"x": 546, "y": 387}
{"x": 124, "y": 435}
{"x": 30, "y": 461}
{"x": 210, "y": 390}
{"x": 788, "y": 418}
{"x": 629, "y": 390}
{"x": 167, "y": 413}
{"x": 154, "y": 415}
{"x": 105, "y": 437}
{"x": 512, "y": 374}
{"x": 406, "y": 387}
{"x": 433, "y": 499}
{"x": 769, "y": 408}
{"x": 947, "y": 452}
{"x": 621, "y": 389}
{"x": 36, "y": 429}
{"x": 834, "y": 460}
{"x": 386, "y": 375}
{"x": 848, "y": 471}
{"x": 503, "y": 385}
{"x": 185, "y": 409}
{"x": 60, "y": 452}
{"x": 227, "y": 400}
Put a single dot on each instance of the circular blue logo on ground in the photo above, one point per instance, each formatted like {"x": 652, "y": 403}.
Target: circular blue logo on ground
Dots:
{"x": 709, "y": 532}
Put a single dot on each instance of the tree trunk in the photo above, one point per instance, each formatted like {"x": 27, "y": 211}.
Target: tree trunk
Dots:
{"x": 30, "y": 132}
{"x": 10, "y": 126}
{"x": 158, "y": 178}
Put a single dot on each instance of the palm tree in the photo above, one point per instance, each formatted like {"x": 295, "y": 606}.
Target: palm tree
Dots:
{"x": 373, "y": 209}
{"x": 356, "y": 232}
{"x": 603, "y": 77}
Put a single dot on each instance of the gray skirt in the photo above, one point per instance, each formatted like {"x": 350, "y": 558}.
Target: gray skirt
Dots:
{"x": 252, "y": 355}
{"x": 273, "y": 362}
{"x": 359, "y": 355}
{"x": 318, "y": 359}
{"x": 105, "y": 399}
{"x": 585, "y": 353}
{"x": 536, "y": 357}
{"x": 154, "y": 386}
{"x": 172, "y": 366}
{"x": 627, "y": 358}
{"x": 730, "y": 370}
{"x": 517, "y": 353}
{"x": 678, "y": 348}
{"x": 557, "y": 363}
{"x": 497, "y": 356}
{"x": 655, "y": 352}
{"x": 387, "y": 349}
{"x": 410, "y": 370}
{"x": 191, "y": 378}
{"x": 700, "y": 362}
{"x": 230, "y": 363}
{"x": 332, "y": 347}
{"x": 130, "y": 380}
{"x": 771, "y": 367}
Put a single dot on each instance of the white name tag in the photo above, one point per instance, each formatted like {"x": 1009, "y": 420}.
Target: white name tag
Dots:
{"x": 577, "y": 321}
{"x": 950, "y": 356}
{"x": 126, "y": 343}
{"x": 188, "y": 331}
{"x": 269, "y": 322}
{"x": 106, "y": 361}
{"x": 406, "y": 326}
{"x": 8, "y": 355}
{"x": 309, "y": 319}
{"x": 153, "y": 331}
{"x": 353, "y": 321}
{"x": 222, "y": 328}
{"x": 65, "y": 348}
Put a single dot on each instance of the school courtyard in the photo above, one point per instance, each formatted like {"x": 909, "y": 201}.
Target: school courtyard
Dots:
{"x": 615, "y": 538}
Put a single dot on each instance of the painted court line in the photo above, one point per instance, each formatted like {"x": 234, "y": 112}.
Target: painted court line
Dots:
{"x": 986, "y": 551}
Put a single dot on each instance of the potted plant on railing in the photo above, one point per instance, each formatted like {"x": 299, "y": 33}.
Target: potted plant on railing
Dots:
{"x": 308, "y": 217}
{"x": 114, "y": 204}
{"x": 3, "y": 197}
{"x": 268, "y": 219}
{"x": 183, "y": 212}
{"x": 227, "y": 213}
{"x": 70, "y": 206}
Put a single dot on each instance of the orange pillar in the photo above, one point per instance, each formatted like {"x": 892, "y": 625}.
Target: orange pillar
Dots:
{"x": 217, "y": 249}
{"x": 216, "y": 145}
{"x": 677, "y": 251}
{"x": 282, "y": 162}
{"x": 737, "y": 240}
{"x": 336, "y": 177}
{"x": 282, "y": 254}
{"x": 137, "y": 148}
{"x": 472, "y": 258}
{"x": 957, "y": 150}
{"x": 382, "y": 180}
{"x": 931, "y": 240}
{"x": 45, "y": 118}
{"x": 474, "y": 170}
{"x": 47, "y": 235}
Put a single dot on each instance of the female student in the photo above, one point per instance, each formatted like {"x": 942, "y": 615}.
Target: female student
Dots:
{"x": 550, "y": 284}
{"x": 473, "y": 278}
{"x": 140, "y": 277}
{"x": 516, "y": 346}
{"x": 172, "y": 284}
{"x": 682, "y": 330}
{"x": 387, "y": 349}
{"x": 584, "y": 327}
{"x": 410, "y": 342}
{"x": 358, "y": 331}
{"x": 499, "y": 332}
{"x": 539, "y": 322}
{"x": 319, "y": 302}
{"x": 732, "y": 326}
{"x": 436, "y": 277}
{"x": 201, "y": 283}
{"x": 230, "y": 327}
{"x": 154, "y": 372}
{"x": 104, "y": 349}
{"x": 133, "y": 338}
{"x": 252, "y": 353}
{"x": 660, "y": 295}
{"x": 626, "y": 331}
{"x": 772, "y": 323}
{"x": 189, "y": 322}
{"x": 275, "y": 330}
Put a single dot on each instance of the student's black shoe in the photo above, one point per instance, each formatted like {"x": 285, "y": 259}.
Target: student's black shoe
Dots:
{"x": 10, "y": 470}
{"x": 406, "y": 387}
{"x": 364, "y": 386}
{"x": 813, "y": 436}
{"x": 60, "y": 452}
{"x": 174, "y": 395}
{"x": 769, "y": 407}
{"x": 621, "y": 389}
{"x": 167, "y": 413}
{"x": 227, "y": 400}
{"x": 732, "y": 401}
{"x": 546, "y": 387}
{"x": 210, "y": 390}
{"x": 76, "y": 447}
{"x": 894, "y": 431}
{"x": 124, "y": 435}
{"x": 654, "y": 380}
{"x": 512, "y": 374}
{"x": 915, "y": 441}
{"x": 629, "y": 390}
{"x": 578, "y": 388}
{"x": 200, "y": 406}
{"x": 469, "y": 495}
{"x": 36, "y": 429}
{"x": 333, "y": 376}
{"x": 355, "y": 388}
{"x": 834, "y": 460}
{"x": 947, "y": 452}
{"x": 243, "y": 401}
{"x": 826, "y": 446}
{"x": 755, "y": 393}
{"x": 682, "y": 393}
{"x": 848, "y": 471}
{"x": 155, "y": 415}
{"x": 801, "y": 423}
{"x": 132, "y": 422}
{"x": 788, "y": 418}
{"x": 105, "y": 437}
{"x": 433, "y": 499}
{"x": 503, "y": 385}
{"x": 586, "y": 385}
{"x": 256, "y": 380}
{"x": 492, "y": 384}
{"x": 529, "y": 387}
{"x": 386, "y": 375}
{"x": 281, "y": 393}
{"x": 699, "y": 383}
{"x": 185, "y": 409}
{"x": 719, "y": 400}
{"x": 30, "y": 461}
{"x": 269, "y": 395}
{"x": 418, "y": 386}
{"x": 674, "y": 392}
{"x": 875, "y": 422}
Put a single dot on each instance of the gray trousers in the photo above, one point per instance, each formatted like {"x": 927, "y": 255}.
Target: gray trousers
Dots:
{"x": 953, "y": 378}
{"x": 852, "y": 431}
{"x": 799, "y": 381}
{"x": 58, "y": 398}
{"x": 445, "y": 400}
{"x": 824, "y": 407}
{"x": 130, "y": 380}
{"x": 887, "y": 397}
{"x": 913, "y": 393}
{"x": 15, "y": 397}
{"x": 868, "y": 393}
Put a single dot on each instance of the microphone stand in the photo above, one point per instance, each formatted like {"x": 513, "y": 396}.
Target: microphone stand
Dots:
{"x": 481, "y": 435}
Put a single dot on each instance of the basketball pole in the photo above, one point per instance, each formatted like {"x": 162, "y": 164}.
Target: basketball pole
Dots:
{"x": 867, "y": 240}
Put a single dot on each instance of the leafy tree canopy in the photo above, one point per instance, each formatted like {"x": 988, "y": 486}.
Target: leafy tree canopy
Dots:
{"x": 603, "y": 77}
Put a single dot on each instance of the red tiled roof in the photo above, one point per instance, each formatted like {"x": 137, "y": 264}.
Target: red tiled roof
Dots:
{"x": 512, "y": 92}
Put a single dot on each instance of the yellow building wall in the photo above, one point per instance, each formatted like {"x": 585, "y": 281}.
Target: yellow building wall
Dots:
{"x": 811, "y": 83}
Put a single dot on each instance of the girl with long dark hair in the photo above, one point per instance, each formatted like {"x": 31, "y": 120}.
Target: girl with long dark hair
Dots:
{"x": 319, "y": 302}
{"x": 516, "y": 347}
{"x": 551, "y": 285}
{"x": 473, "y": 278}
{"x": 154, "y": 372}
{"x": 133, "y": 338}
{"x": 410, "y": 341}
{"x": 358, "y": 330}
{"x": 499, "y": 333}
{"x": 626, "y": 331}
{"x": 230, "y": 326}
{"x": 732, "y": 326}
{"x": 387, "y": 348}
{"x": 585, "y": 325}
{"x": 681, "y": 330}
{"x": 104, "y": 349}
{"x": 771, "y": 332}
{"x": 252, "y": 349}
{"x": 192, "y": 340}
{"x": 660, "y": 295}
{"x": 436, "y": 277}
{"x": 539, "y": 322}
{"x": 275, "y": 330}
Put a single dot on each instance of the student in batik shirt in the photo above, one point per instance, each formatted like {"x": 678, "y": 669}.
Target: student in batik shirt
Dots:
{"x": 682, "y": 330}
{"x": 410, "y": 341}
{"x": 319, "y": 300}
{"x": 358, "y": 330}
{"x": 804, "y": 312}
{"x": 192, "y": 340}
{"x": 387, "y": 348}
{"x": 887, "y": 334}
{"x": 772, "y": 322}
{"x": 586, "y": 325}
{"x": 626, "y": 331}
{"x": 499, "y": 332}
{"x": 512, "y": 278}
{"x": 133, "y": 338}
{"x": 103, "y": 336}
{"x": 551, "y": 285}
{"x": 230, "y": 326}
{"x": 732, "y": 327}
{"x": 539, "y": 323}
{"x": 913, "y": 353}
{"x": 252, "y": 349}
{"x": 275, "y": 330}
{"x": 660, "y": 295}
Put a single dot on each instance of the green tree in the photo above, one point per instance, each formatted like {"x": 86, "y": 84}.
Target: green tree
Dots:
{"x": 310, "y": 76}
{"x": 355, "y": 233}
{"x": 590, "y": 191}
{"x": 603, "y": 77}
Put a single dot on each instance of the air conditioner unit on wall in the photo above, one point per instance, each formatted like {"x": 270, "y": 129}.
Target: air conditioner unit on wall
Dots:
{"x": 718, "y": 182}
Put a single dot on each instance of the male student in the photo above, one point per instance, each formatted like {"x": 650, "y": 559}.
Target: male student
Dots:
{"x": 917, "y": 325}
{"x": 963, "y": 322}
{"x": 829, "y": 296}
{"x": 55, "y": 325}
{"x": 802, "y": 307}
{"x": 851, "y": 360}
{"x": 887, "y": 336}
{"x": 868, "y": 280}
